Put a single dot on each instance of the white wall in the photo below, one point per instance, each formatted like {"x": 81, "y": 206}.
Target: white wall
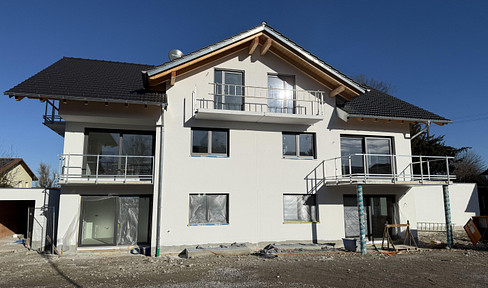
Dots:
{"x": 430, "y": 203}
{"x": 255, "y": 175}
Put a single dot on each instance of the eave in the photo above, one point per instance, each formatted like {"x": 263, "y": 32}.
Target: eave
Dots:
{"x": 345, "y": 116}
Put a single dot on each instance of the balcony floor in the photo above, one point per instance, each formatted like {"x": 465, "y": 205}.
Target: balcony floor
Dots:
{"x": 256, "y": 117}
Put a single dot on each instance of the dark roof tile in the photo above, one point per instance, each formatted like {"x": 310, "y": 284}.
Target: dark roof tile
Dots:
{"x": 91, "y": 80}
{"x": 378, "y": 104}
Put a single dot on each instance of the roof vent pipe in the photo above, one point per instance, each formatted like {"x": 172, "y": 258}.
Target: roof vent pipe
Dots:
{"x": 174, "y": 54}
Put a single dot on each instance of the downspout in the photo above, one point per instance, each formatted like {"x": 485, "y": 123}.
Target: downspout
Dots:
{"x": 160, "y": 183}
{"x": 421, "y": 131}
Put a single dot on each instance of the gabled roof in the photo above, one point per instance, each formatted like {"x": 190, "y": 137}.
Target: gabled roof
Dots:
{"x": 378, "y": 105}
{"x": 7, "y": 164}
{"x": 288, "y": 46}
{"x": 89, "y": 80}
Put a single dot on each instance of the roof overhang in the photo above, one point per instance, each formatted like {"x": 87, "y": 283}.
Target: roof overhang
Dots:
{"x": 269, "y": 39}
{"x": 43, "y": 97}
{"x": 345, "y": 116}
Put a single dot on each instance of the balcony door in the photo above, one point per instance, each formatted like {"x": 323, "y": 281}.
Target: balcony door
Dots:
{"x": 112, "y": 153}
{"x": 229, "y": 90}
{"x": 378, "y": 157}
{"x": 281, "y": 94}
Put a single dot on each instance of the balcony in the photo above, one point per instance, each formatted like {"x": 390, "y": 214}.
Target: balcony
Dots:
{"x": 229, "y": 102}
{"x": 381, "y": 169}
{"x": 52, "y": 119}
{"x": 105, "y": 169}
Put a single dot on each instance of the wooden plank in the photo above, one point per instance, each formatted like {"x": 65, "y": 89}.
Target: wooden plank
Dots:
{"x": 336, "y": 91}
{"x": 194, "y": 61}
{"x": 173, "y": 78}
{"x": 254, "y": 45}
{"x": 266, "y": 46}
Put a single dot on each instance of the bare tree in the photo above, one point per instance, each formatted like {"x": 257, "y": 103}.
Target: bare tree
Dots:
{"x": 382, "y": 86}
{"x": 7, "y": 176}
{"x": 468, "y": 166}
{"x": 46, "y": 176}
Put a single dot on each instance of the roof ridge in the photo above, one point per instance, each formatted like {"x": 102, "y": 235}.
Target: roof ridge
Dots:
{"x": 106, "y": 61}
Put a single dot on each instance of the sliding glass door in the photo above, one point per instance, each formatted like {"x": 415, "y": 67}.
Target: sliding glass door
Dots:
{"x": 281, "y": 94}
{"x": 378, "y": 156}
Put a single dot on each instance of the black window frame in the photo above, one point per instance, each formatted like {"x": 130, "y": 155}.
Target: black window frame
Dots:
{"x": 364, "y": 150}
{"x": 121, "y": 132}
{"x": 297, "y": 145}
{"x": 207, "y": 210}
{"x": 209, "y": 144}
{"x": 312, "y": 213}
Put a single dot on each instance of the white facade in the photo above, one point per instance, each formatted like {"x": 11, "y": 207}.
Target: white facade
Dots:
{"x": 254, "y": 174}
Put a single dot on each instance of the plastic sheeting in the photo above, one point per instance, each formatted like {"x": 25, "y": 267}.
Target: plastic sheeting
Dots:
{"x": 128, "y": 220}
{"x": 208, "y": 209}
{"x": 300, "y": 208}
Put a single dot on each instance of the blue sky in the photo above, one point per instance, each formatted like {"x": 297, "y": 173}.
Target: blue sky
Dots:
{"x": 433, "y": 52}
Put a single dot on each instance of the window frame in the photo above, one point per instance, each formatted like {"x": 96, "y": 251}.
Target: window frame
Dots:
{"x": 243, "y": 96}
{"x": 297, "y": 146}
{"x": 120, "y": 132}
{"x": 206, "y": 201}
{"x": 298, "y": 221}
{"x": 294, "y": 100}
{"x": 209, "y": 152}
{"x": 364, "y": 149}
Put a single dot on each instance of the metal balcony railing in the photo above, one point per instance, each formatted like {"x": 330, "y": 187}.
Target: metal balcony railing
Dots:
{"x": 105, "y": 169}
{"x": 380, "y": 169}
{"x": 262, "y": 99}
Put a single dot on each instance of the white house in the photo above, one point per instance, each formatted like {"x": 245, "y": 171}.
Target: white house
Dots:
{"x": 251, "y": 139}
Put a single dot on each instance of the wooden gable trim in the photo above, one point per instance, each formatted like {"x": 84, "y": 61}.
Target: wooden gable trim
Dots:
{"x": 267, "y": 44}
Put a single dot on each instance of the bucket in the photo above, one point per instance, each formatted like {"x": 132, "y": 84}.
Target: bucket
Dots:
{"x": 350, "y": 244}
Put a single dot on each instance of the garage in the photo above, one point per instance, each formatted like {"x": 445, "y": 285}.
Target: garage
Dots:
{"x": 13, "y": 216}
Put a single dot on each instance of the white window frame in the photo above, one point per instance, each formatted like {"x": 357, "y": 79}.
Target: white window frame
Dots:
{"x": 297, "y": 145}
{"x": 209, "y": 144}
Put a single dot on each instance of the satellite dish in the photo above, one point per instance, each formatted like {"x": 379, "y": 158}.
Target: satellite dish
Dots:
{"x": 174, "y": 54}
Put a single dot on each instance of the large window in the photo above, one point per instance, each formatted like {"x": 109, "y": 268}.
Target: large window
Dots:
{"x": 114, "y": 220}
{"x": 119, "y": 152}
{"x": 376, "y": 151}
{"x": 209, "y": 209}
{"x": 300, "y": 145}
{"x": 281, "y": 94}
{"x": 229, "y": 90}
{"x": 210, "y": 142}
{"x": 299, "y": 208}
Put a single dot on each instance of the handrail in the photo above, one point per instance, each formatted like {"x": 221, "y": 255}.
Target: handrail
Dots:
{"x": 355, "y": 168}
{"x": 98, "y": 167}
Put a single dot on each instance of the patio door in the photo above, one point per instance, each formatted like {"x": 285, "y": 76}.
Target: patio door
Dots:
{"x": 281, "y": 94}
{"x": 229, "y": 90}
{"x": 379, "y": 209}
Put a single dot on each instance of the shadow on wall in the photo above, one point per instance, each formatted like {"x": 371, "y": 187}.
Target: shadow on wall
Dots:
{"x": 473, "y": 203}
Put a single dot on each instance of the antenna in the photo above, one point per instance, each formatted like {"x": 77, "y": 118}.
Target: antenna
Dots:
{"x": 174, "y": 54}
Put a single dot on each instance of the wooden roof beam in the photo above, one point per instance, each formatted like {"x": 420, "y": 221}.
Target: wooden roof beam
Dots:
{"x": 266, "y": 46}
{"x": 254, "y": 45}
{"x": 173, "y": 78}
{"x": 337, "y": 91}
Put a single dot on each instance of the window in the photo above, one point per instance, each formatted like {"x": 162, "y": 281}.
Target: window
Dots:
{"x": 281, "y": 94}
{"x": 299, "y": 208}
{"x": 377, "y": 150}
{"x": 229, "y": 90}
{"x": 210, "y": 142}
{"x": 209, "y": 209}
{"x": 110, "y": 148}
{"x": 299, "y": 145}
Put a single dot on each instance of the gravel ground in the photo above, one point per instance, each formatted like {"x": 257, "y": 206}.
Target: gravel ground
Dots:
{"x": 464, "y": 266}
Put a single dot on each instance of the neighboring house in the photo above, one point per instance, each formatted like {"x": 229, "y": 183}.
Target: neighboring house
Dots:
{"x": 250, "y": 139}
{"x": 15, "y": 173}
